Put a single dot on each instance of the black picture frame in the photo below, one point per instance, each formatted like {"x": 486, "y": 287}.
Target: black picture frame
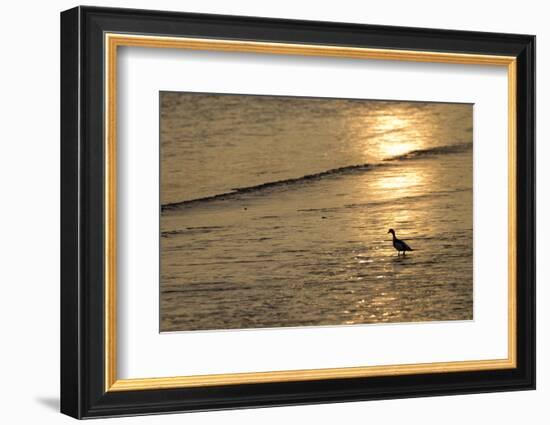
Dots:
{"x": 83, "y": 392}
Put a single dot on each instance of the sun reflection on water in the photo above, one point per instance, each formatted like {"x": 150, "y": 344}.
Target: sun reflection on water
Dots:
{"x": 401, "y": 182}
{"x": 396, "y": 148}
{"x": 397, "y": 134}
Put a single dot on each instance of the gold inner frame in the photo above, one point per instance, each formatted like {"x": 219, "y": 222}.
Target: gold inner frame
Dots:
{"x": 113, "y": 41}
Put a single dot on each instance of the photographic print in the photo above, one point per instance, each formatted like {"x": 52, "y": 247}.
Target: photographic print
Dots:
{"x": 333, "y": 216}
{"x": 281, "y": 211}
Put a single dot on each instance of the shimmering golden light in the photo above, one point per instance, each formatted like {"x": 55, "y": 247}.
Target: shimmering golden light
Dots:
{"x": 394, "y": 141}
{"x": 394, "y": 149}
{"x": 401, "y": 182}
{"x": 395, "y": 186}
{"x": 390, "y": 122}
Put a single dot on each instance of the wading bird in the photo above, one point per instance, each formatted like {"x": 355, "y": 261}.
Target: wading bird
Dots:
{"x": 398, "y": 244}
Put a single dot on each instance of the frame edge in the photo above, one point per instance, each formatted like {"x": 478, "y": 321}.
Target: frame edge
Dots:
{"x": 80, "y": 397}
{"x": 70, "y": 349}
{"x": 526, "y": 202}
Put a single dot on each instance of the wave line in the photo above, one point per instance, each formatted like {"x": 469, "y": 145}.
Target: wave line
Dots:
{"x": 419, "y": 153}
{"x": 438, "y": 150}
{"x": 249, "y": 189}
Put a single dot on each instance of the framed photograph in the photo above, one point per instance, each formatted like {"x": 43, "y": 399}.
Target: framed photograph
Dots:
{"x": 261, "y": 212}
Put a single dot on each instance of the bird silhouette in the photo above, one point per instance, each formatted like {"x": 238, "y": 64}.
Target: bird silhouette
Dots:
{"x": 398, "y": 244}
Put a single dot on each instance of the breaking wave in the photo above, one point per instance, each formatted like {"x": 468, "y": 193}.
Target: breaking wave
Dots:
{"x": 420, "y": 153}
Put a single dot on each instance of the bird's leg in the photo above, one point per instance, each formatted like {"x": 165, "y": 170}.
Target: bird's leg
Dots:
{"x": 403, "y": 253}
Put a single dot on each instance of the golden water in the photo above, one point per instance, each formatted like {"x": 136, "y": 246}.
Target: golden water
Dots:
{"x": 313, "y": 251}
